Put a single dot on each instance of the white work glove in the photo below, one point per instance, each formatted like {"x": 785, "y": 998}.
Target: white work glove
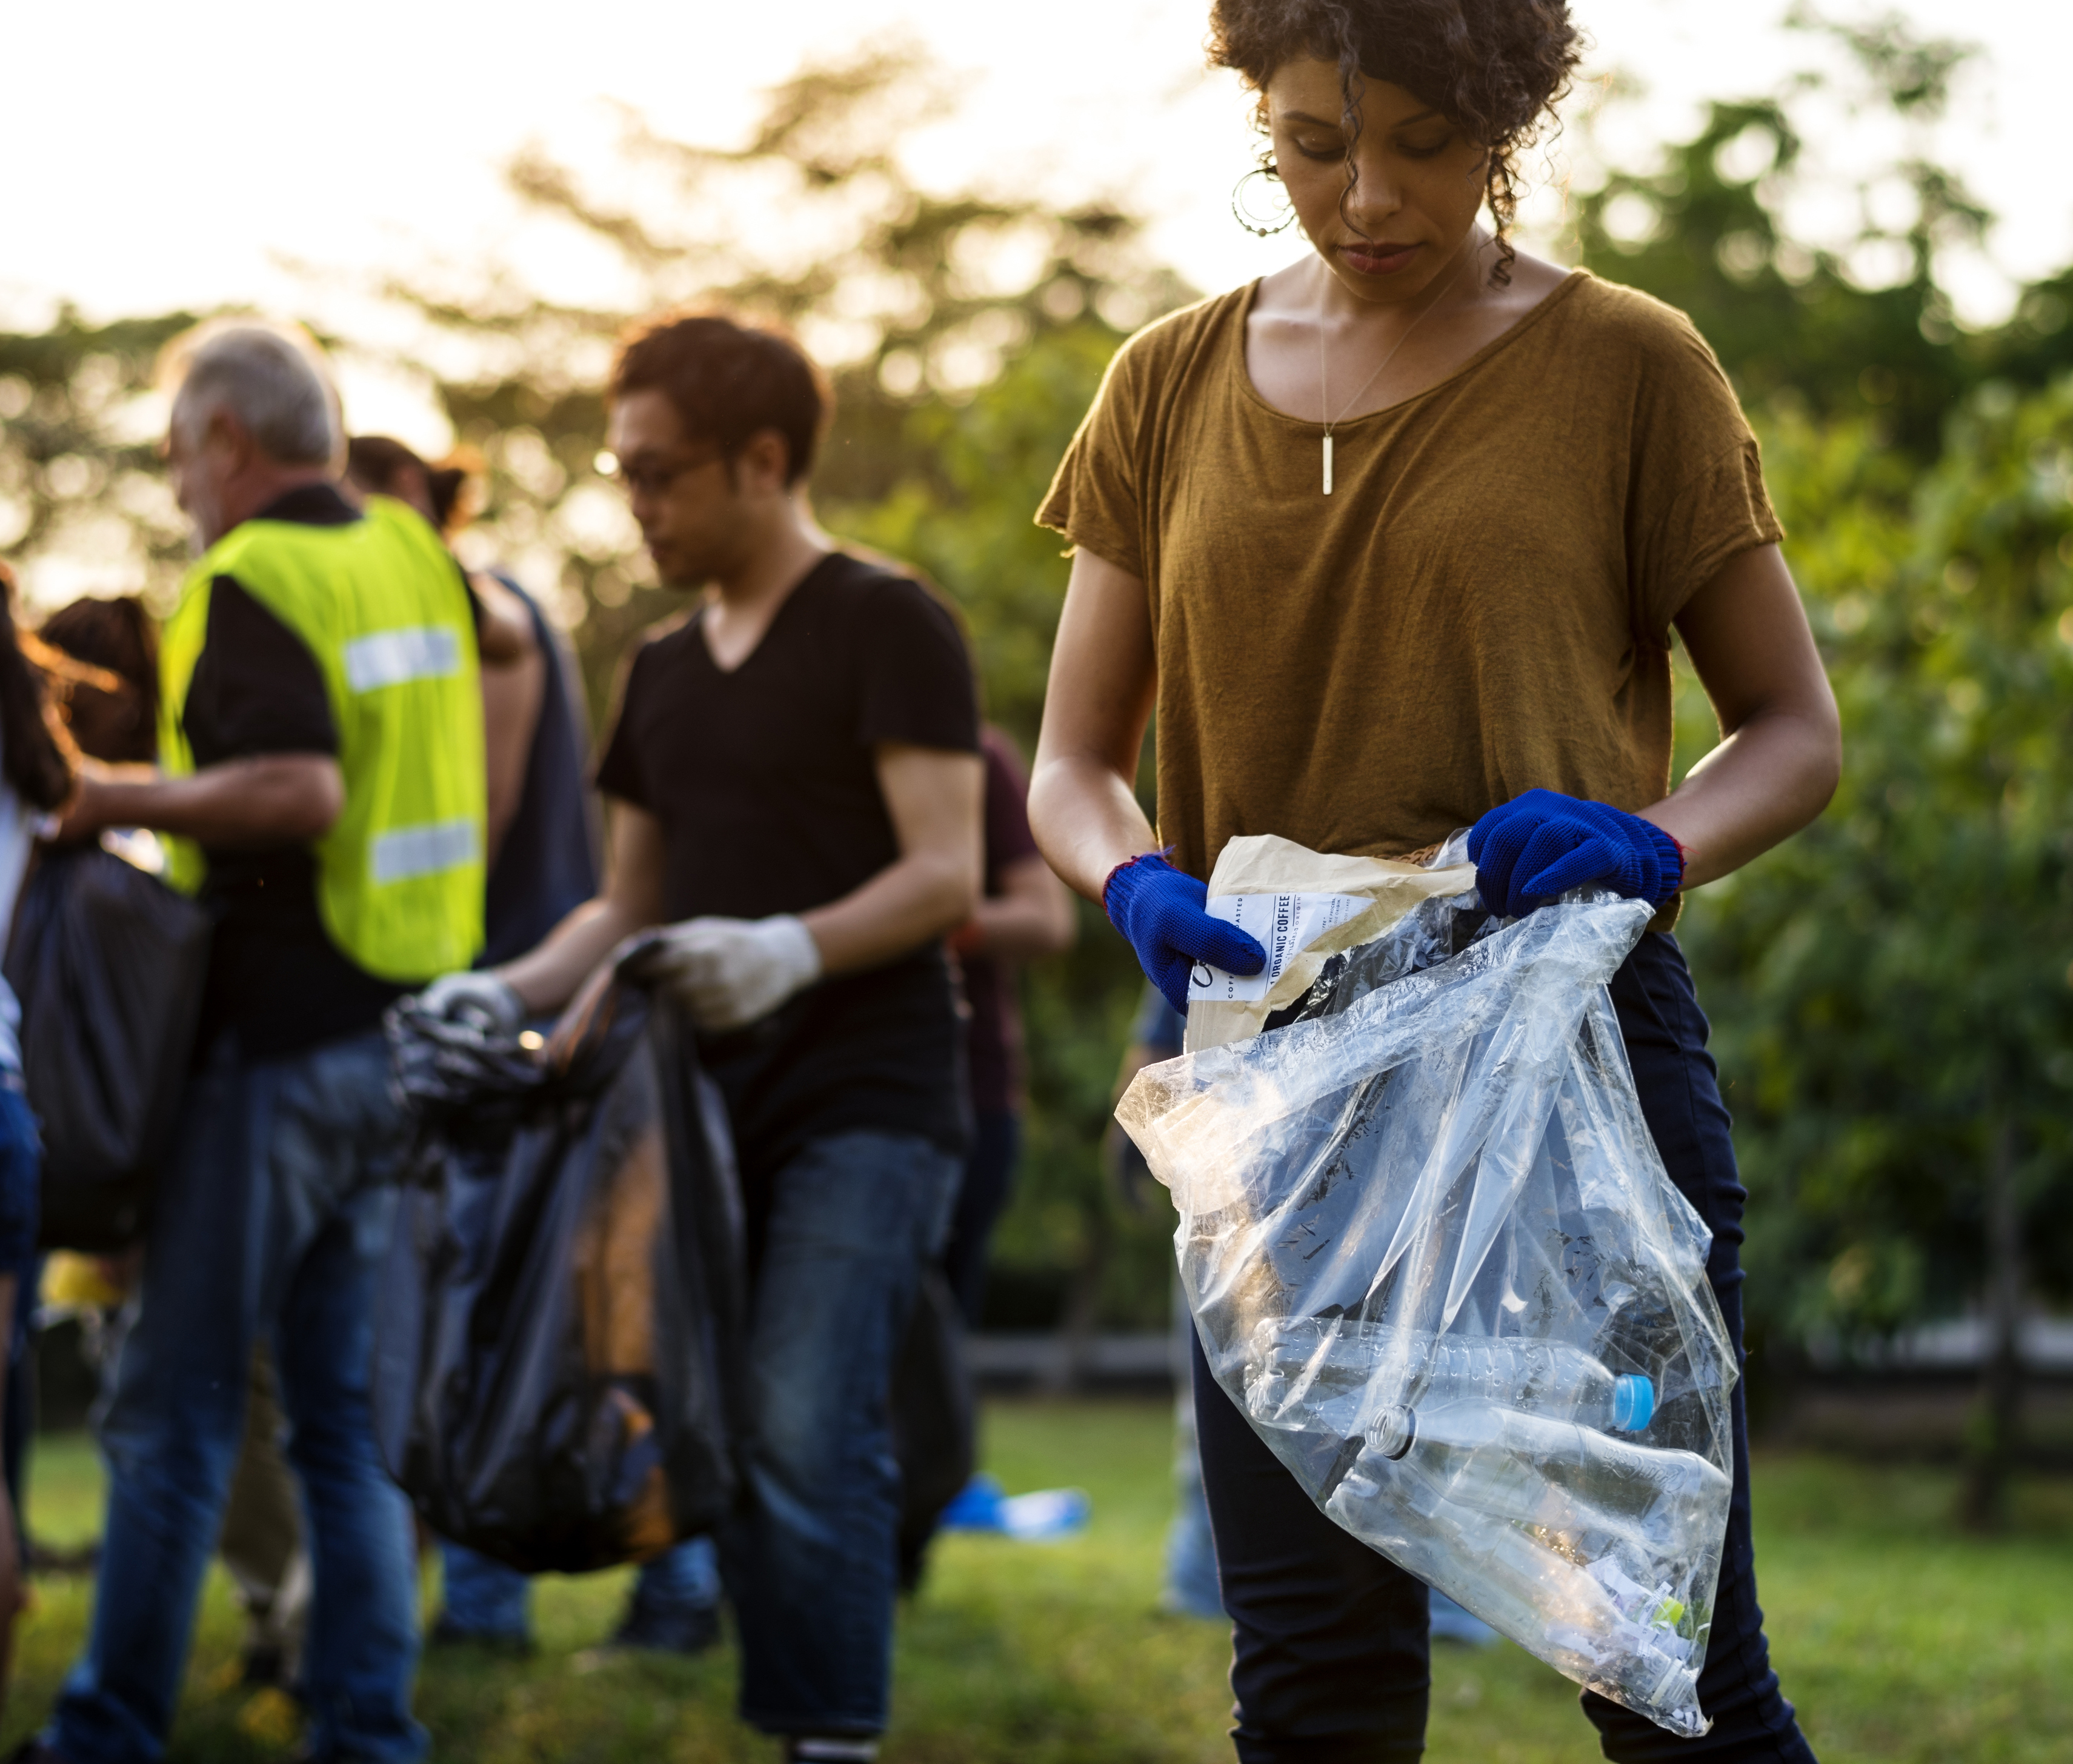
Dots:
{"x": 472, "y": 996}
{"x": 729, "y": 972}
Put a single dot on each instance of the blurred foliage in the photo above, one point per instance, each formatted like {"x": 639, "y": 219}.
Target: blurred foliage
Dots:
{"x": 1893, "y": 986}
{"x": 1796, "y": 324}
{"x": 83, "y": 503}
{"x": 1890, "y": 990}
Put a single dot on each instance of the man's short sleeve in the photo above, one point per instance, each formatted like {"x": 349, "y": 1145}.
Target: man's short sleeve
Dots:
{"x": 619, "y": 773}
{"x": 917, "y": 685}
{"x": 257, "y": 689}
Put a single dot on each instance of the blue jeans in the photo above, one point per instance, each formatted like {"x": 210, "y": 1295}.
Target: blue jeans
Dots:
{"x": 486, "y": 1600}
{"x": 983, "y": 1194}
{"x": 844, "y": 1229}
{"x": 272, "y": 1212}
{"x": 1329, "y": 1655}
{"x": 1191, "y": 1546}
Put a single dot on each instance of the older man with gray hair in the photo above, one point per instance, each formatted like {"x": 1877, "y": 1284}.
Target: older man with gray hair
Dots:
{"x": 321, "y": 777}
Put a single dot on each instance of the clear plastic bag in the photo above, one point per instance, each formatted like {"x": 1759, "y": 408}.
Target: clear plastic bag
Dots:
{"x": 1436, "y": 1260}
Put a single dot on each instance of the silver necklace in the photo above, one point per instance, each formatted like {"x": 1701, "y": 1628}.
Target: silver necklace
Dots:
{"x": 1323, "y": 381}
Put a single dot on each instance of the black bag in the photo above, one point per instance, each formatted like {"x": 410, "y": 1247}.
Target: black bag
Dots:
{"x": 108, "y": 964}
{"x": 934, "y": 1429}
{"x": 559, "y": 1321}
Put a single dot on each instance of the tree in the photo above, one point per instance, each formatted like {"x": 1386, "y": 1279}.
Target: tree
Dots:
{"x": 1705, "y": 231}
{"x": 83, "y": 503}
{"x": 1892, "y": 990}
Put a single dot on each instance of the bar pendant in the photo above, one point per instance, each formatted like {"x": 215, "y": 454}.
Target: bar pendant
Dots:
{"x": 1328, "y": 465}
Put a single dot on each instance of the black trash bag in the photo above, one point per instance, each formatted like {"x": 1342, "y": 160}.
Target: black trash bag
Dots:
{"x": 559, "y": 1323}
{"x": 935, "y": 1428}
{"x": 108, "y": 964}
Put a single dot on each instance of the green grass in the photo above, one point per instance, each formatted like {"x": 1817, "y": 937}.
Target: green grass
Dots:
{"x": 1899, "y": 1638}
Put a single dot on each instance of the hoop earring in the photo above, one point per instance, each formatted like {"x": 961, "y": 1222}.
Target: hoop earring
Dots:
{"x": 1260, "y": 229}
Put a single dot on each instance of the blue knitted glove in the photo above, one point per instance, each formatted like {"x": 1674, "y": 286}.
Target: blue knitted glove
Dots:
{"x": 1165, "y": 915}
{"x": 1542, "y": 843}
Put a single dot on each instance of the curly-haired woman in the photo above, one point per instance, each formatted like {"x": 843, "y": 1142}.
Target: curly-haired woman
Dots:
{"x": 1396, "y": 540}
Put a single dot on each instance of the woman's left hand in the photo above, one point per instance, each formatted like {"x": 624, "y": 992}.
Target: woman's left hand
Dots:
{"x": 1542, "y": 844}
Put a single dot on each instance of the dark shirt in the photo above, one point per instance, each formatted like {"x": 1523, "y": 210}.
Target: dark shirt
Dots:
{"x": 994, "y": 1040}
{"x": 547, "y": 865}
{"x": 766, "y": 784}
{"x": 275, "y": 978}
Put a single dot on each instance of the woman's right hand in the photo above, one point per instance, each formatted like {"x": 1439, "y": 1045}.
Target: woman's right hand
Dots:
{"x": 1164, "y": 913}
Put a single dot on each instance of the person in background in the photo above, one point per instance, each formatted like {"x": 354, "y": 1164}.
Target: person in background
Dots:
{"x": 543, "y": 864}
{"x": 322, "y": 782}
{"x": 1190, "y": 1587}
{"x": 38, "y": 766}
{"x": 1025, "y": 911}
{"x": 795, "y": 786}
{"x": 113, "y": 717}
{"x": 98, "y": 663}
{"x": 533, "y": 735}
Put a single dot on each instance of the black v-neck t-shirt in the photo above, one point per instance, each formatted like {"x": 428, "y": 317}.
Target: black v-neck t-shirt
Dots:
{"x": 765, "y": 781}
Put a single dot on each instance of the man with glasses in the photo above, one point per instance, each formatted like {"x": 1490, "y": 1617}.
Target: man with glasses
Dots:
{"x": 795, "y": 788}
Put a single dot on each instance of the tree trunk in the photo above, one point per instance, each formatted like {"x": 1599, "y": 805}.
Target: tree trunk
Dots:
{"x": 1996, "y": 1427}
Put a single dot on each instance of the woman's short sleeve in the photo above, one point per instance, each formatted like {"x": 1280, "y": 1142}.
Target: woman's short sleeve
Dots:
{"x": 1096, "y": 499}
{"x": 1699, "y": 496}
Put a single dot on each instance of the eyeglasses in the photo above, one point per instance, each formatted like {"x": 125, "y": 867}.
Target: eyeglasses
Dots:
{"x": 647, "y": 477}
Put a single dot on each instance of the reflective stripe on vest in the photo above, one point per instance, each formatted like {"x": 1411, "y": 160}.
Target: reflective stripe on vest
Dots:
{"x": 423, "y": 652}
{"x": 382, "y": 608}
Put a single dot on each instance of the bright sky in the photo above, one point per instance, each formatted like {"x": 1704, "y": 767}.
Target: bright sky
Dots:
{"x": 164, "y": 156}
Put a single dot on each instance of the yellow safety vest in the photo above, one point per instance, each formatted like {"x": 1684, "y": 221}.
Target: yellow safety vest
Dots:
{"x": 382, "y": 607}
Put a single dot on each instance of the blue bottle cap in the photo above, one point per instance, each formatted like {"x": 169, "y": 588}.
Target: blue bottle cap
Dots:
{"x": 1633, "y": 1403}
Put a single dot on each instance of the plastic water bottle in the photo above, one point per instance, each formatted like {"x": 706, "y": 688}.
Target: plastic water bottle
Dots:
{"x": 1569, "y": 1481}
{"x": 1585, "y": 1620}
{"x": 1329, "y": 1375}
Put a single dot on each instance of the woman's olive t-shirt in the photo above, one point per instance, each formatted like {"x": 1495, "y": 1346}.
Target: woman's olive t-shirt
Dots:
{"x": 1482, "y": 606}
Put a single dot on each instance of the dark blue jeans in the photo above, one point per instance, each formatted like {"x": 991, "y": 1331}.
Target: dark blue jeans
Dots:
{"x": 841, "y": 1232}
{"x": 271, "y": 1213}
{"x": 1330, "y": 1661}
{"x": 983, "y": 1195}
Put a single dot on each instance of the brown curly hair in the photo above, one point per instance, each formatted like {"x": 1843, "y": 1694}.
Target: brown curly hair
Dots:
{"x": 1497, "y": 68}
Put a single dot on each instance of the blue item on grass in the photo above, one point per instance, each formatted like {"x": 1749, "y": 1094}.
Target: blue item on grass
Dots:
{"x": 1045, "y": 1516}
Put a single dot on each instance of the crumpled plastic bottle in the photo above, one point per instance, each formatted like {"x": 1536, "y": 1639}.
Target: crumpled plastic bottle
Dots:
{"x": 1315, "y": 1370}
